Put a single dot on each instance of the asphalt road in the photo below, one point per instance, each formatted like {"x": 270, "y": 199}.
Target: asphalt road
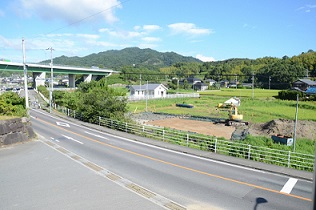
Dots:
{"x": 34, "y": 176}
{"x": 186, "y": 180}
{"x": 78, "y": 167}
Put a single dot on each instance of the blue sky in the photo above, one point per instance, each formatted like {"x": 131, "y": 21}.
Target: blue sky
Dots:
{"x": 205, "y": 29}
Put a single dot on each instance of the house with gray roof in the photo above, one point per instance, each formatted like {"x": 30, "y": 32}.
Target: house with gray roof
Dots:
{"x": 148, "y": 90}
{"x": 303, "y": 84}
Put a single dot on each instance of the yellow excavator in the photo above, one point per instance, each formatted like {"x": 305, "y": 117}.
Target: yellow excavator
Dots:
{"x": 234, "y": 118}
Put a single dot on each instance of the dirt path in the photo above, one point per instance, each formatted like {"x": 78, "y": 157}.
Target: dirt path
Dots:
{"x": 208, "y": 128}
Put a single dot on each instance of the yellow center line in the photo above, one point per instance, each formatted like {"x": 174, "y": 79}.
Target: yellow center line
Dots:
{"x": 180, "y": 166}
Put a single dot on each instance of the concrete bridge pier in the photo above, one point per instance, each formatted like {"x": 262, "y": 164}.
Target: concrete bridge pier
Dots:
{"x": 89, "y": 77}
{"x": 72, "y": 80}
{"x": 38, "y": 79}
{"x": 86, "y": 78}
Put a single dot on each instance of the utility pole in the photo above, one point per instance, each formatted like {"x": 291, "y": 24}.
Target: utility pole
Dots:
{"x": 269, "y": 81}
{"x": 236, "y": 81}
{"x": 253, "y": 85}
{"x": 25, "y": 78}
{"x": 147, "y": 97}
{"x": 295, "y": 124}
{"x": 140, "y": 84}
{"x": 51, "y": 79}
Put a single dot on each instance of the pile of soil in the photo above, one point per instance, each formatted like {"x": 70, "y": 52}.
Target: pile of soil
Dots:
{"x": 305, "y": 129}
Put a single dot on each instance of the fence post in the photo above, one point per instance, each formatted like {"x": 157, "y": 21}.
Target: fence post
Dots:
{"x": 68, "y": 112}
{"x": 289, "y": 160}
{"x": 215, "y": 146}
{"x": 249, "y": 151}
{"x": 99, "y": 120}
{"x": 187, "y": 140}
{"x": 163, "y": 134}
{"x": 111, "y": 124}
{"x": 126, "y": 127}
{"x": 143, "y": 128}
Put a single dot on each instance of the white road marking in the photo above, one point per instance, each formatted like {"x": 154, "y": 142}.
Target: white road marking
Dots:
{"x": 289, "y": 185}
{"x": 72, "y": 139}
{"x": 54, "y": 139}
{"x": 63, "y": 124}
{"x": 102, "y": 137}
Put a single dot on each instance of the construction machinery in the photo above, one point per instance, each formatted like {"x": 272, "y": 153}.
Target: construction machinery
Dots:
{"x": 234, "y": 118}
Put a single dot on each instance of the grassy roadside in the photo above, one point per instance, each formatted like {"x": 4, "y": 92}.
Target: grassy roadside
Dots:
{"x": 7, "y": 117}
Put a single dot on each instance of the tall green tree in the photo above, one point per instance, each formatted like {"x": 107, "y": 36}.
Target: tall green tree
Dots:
{"x": 98, "y": 99}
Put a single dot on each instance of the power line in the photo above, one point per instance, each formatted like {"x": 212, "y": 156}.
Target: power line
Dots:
{"x": 90, "y": 16}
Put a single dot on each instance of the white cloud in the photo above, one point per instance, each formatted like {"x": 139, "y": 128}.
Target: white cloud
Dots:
{"x": 101, "y": 43}
{"x": 151, "y": 27}
{"x": 72, "y": 10}
{"x": 147, "y": 45}
{"x": 88, "y": 36}
{"x": 204, "y": 58}
{"x": 6, "y": 43}
{"x": 188, "y": 28}
{"x": 85, "y": 36}
{"x": 151, "y": 39}
{"x": 137, "y": 32}
{"x": 307, "y": 8}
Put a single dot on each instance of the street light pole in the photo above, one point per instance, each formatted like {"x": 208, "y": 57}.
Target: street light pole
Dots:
{"x": 25, "y": 78}
{"x": 51, "y": 79}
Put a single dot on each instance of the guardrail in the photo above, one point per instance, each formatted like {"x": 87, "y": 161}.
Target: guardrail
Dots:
{"x": 207, "y": 143}
{"x": 168, "y": 96}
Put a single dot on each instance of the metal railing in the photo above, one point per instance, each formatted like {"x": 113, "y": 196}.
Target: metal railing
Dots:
{"x": 207, "y": 143}
{"x": 168, "y": 96}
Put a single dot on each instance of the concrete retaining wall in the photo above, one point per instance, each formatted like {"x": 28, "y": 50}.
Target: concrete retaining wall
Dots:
{"x": 15, "y": 130}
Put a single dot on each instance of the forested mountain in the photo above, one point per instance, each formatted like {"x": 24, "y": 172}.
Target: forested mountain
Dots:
{"x": 134, "y": 56}
{"x": 269, "y": 72}
{"x": 154, "y": 66}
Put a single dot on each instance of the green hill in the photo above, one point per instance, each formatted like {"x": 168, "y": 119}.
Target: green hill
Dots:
{"x": 114, "y": 59}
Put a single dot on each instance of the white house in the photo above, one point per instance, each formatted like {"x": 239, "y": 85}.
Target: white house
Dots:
{"x": 150, "y": 90}
{"x": 210, "y": 82}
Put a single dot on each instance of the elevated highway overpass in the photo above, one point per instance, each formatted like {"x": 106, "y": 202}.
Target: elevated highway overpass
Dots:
{"x": 39, "y": 71}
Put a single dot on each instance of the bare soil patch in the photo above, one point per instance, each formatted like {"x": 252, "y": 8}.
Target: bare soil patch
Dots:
{"x": 305, "y": 129}
{"x": 207, "y": 128}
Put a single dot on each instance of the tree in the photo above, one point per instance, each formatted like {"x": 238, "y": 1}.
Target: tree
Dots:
{"x": 11, "y": 104}
{"x": 98, "y": 99}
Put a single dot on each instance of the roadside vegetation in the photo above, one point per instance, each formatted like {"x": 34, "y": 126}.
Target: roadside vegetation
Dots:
{"x": 94, "y": 99}
{"x": 11, "y": 105}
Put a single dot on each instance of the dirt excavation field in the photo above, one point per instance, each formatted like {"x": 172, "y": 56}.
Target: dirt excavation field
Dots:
{"x": 305, "y": 129}
{"x": 201, "y": 127}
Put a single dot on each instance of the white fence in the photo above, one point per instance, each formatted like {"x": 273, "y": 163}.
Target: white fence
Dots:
{"x": 207, "y": 143}
{"x": 151, "y": 97}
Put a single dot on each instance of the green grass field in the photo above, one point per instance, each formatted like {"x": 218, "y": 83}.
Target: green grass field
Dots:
{"x": 256, "y": 106}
